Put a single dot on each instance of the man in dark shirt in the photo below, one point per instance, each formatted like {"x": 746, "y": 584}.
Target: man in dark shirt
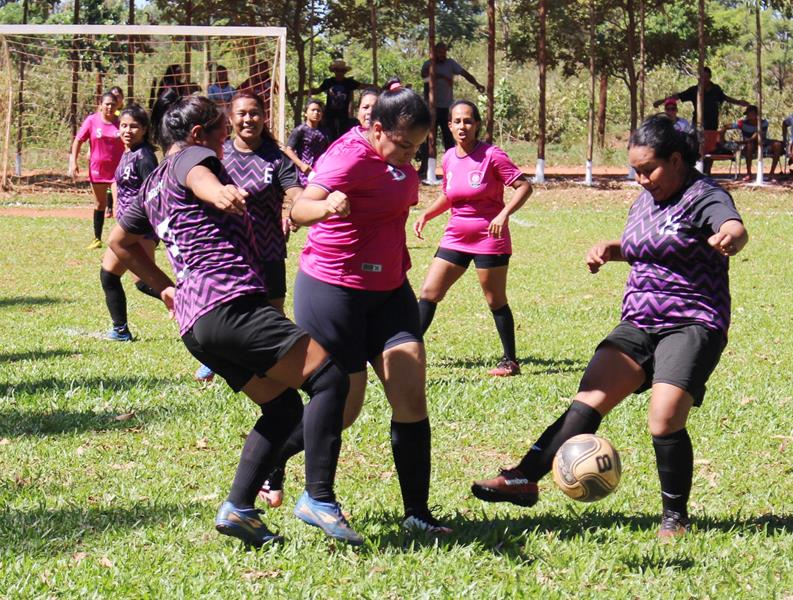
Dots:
{"x": 339, "y": 89}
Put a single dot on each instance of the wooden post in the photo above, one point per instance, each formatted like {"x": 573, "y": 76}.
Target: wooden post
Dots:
{"x": 642, "y": 59}
{"x": 431, "y": 151}
{"x": 760, "y": 140}
{"x": 74, "y": 57}
{"x": 591, "y": 123}
{"x": 311, "y": 46}
{"x": 373, "y": 23}
{"x": 539, "y": 175}
{"x": 131, "y": 54}
{"x": 188, "y": 55}
{"x": 491, "y": 69}
{"x": 602, "y": 102}
{"x": 20, "y": 99}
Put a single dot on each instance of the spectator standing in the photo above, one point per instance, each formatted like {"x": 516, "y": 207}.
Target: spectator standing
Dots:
{"x": 339, "y": 89}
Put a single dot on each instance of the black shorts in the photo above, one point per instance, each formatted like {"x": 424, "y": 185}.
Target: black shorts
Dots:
{"x": 683, "y": 356}
{"x": 356, "y": 326}
{"x": 481, "y": 261}
{"x": 275, "y": 278}
{"x": 242, "y": 338}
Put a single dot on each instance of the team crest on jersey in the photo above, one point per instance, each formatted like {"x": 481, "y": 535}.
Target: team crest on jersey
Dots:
{"x": 475, "y": 179}
{"x": 669, "y": 227}
{"x": 397, "y": 174}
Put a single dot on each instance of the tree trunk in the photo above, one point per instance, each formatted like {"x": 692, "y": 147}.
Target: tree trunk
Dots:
{"x": 431, "y": 153}
{"x": 300, "y": 49}
{"x": 131, "y": 54}
{"x": 642, "y": 59}
{"x": 75, "y": 57}
{"x": 704, "y": 167}
{"x": 373, "y": 22}
{"x": 602, "y": 102}
{"x": 491, "y": 68}
{"x": 541, "y": 63}
{"x": 21, "y": 96}
{"x": 591, "y": 117}
{"x": 760, "y": 140}
{"x": 630, "y": 67}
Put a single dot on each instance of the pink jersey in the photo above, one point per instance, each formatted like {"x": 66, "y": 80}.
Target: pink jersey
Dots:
{"x": 366, "y": 250}
{"x": 475, "y": 186}
{"x": 106, "y": 147}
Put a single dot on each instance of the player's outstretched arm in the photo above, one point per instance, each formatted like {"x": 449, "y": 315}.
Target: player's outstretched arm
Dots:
{"x": 207, "y": 188}
{"x": 730, "y": 238}
{"x": 601, "y": 253}
{"x": 316, "y": 204}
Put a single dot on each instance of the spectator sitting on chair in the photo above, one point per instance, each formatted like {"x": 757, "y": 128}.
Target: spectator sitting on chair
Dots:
{"x": 748, "y": 129}
{"x": 670, "y": 110}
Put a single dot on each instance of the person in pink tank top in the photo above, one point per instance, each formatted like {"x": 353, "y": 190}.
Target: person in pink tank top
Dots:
{"x": 100, "y": 130}
{"x": 474, "y": 176}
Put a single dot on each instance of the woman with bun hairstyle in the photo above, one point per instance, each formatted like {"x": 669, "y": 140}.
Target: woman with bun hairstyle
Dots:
{"x": 225, "y": 319}
{"x": 474, "y": 176}
{"x": 681, "y": 232}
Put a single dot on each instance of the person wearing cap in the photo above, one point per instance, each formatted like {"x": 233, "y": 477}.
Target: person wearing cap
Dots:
{"x": 339, "y": 89}
{"x": 670, "y": 110}
{"x": 445, "y": 70}
{"x": 749, "y": 132}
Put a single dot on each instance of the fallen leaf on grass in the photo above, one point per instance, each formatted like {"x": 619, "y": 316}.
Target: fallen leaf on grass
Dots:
{"x": 206, "y": 497}
{"x": 106, "y": 562}
{"x": 5, "y": 442}
{"x": 386, "y": 475}
{"x": 125, "y": 416}
{"x": 78, "y": 557}
{"x": 254, "y": 575}
{"x": 746, "y": 401}
{"x": 202, "y": 444}
{"x": 21, "y": 481}
{"x": 81, "y": 450}
{"x": 375, "y": 570}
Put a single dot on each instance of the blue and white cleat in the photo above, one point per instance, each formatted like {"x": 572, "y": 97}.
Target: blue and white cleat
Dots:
{"x": 204, "y": 374}
{"x": 328, "y": 517}
{"x": 245, "y": 524}
{"x": 119, "y": 334}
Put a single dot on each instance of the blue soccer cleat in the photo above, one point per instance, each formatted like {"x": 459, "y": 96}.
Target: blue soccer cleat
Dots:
{"x": 204, "y": 374}
{"x": 245, "y": 524}
{"x": 328, "y": 517}
{"x": 119, "y": 334}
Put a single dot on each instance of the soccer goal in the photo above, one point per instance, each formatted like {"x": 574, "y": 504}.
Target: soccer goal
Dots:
{"x": 52, "y": 77}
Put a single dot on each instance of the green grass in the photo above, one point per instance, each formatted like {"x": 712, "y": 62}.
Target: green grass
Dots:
{"x": 113, "y": 461}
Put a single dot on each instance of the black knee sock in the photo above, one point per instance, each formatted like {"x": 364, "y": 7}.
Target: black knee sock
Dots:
{"x": 426, "y": 314}
{"x": 261, "y": 447}
{"x": 145, "y": 289}
{"x": 115, "y": 298}
{"x": 505, "y": 325}
{"x": 99, "y": 223}
{"x": 411, "y": 445}
{"x": 323, "y": 417}
{"x": 578, "y": 418}
{"x": 109, "y": 197}
{"x": 674, "y": 457}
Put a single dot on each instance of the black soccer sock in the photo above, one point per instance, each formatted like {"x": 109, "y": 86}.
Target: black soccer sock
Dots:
{"x": 674, "y": 458}
{"x": 505, "y": 325}
{"x": 426, "y": 314}
{"x": 109, "y": 198}
{"x": 99, "y": 223}
{"x": 115, "y": 298}
{"x": 578, "y": 418}
{"x": 411, "y": 444}
{"x": 323, "y": 418}
{"x": 261, "y": 447}
{"x": 145, "y": 289}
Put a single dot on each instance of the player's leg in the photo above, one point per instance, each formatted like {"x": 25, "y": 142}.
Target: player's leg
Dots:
{"x": 615, "y": 371}
{"x": 445, "y": 269}
{"x": 115, "y": 298}
{"x": 492, "y": 273}
{"x": 775, "y": 149}
{"x": 99, "y": 191}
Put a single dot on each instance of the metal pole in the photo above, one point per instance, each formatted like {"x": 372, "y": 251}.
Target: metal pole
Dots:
{"x": 758, "y": 45}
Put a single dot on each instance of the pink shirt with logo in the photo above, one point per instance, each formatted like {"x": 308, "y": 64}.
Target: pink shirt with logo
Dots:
{"x": 106, "y": 147}
{"x": 475, "y": 186}
{"x": 366, "y": 250}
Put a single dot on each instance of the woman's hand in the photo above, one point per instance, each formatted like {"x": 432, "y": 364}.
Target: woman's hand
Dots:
{"x": 167, "y": 296}
{"x": 598, "y": 255}
{"x": 337, "y": 204}
{"x": 230, "y": 199}
{"x": 420, "y": 224}
{"x": 724, "y": 243}
{"x": 497, "y": 225}
{"x": 74, "y": 170}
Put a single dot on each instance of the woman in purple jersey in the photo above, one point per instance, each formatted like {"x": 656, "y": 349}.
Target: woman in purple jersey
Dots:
{"x": 225, "y": 320}
{"x": 136, "y": 163}
{"x": 679, "y": 236}
{"x": 307, "y": 142}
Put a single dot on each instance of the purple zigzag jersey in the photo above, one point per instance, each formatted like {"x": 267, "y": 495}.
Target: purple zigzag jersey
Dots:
{"x": 265, "y": 174}
{"x": 676, "y": 277}
{"x": 212, "y": 253}
{"x": 131, "y": 172}
{"x": 314, "y": 143}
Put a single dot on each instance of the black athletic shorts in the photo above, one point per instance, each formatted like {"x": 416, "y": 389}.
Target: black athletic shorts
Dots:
{"x": 242, "y": 338}
{"x": 356, "y": 326}
{"x": 481, "y": 261}
{"x": 683, "y": 356}
{"x": 275, "y": 278}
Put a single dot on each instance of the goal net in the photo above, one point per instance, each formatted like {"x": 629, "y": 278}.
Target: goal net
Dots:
{"x": 52, "y": 77}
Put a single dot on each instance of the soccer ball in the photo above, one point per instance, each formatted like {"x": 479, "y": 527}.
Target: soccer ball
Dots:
{"x": 587, "y": 468}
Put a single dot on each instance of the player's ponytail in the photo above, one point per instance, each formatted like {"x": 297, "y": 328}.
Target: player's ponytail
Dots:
{"x": 658, "y": 133}
{"x": 401, "y": 109}
{"x": 173, "y": 117}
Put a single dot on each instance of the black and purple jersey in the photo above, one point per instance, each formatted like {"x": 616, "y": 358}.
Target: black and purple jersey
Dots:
{"x": 213, "y": 254}
{"x": 265, "y": 174}
{"x": 676, "y": 277}
{"x": 131, "y": 172}
{"x": 309, "y": 144}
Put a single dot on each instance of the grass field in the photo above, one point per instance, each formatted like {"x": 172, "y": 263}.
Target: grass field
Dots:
{"x": 113, "y": 461}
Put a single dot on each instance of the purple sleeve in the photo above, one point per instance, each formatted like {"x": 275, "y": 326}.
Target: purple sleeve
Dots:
{"x": 85, "y": 129}
{"x": 192, "y": 156}
{"x": 713, "y": 209}
{"x": 505, "y": 169}
{"x": 146, "y": 164}
{"x": 135, "y": 220}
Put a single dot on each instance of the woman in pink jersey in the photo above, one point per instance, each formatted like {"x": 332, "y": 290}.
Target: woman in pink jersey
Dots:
{"x": 100, "y": 130}
{"x": 352, "y": 293}
{"x": 474, "y": 176}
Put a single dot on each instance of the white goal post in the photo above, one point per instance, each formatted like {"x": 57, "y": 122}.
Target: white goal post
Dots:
{"x": 53, "y": 76}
